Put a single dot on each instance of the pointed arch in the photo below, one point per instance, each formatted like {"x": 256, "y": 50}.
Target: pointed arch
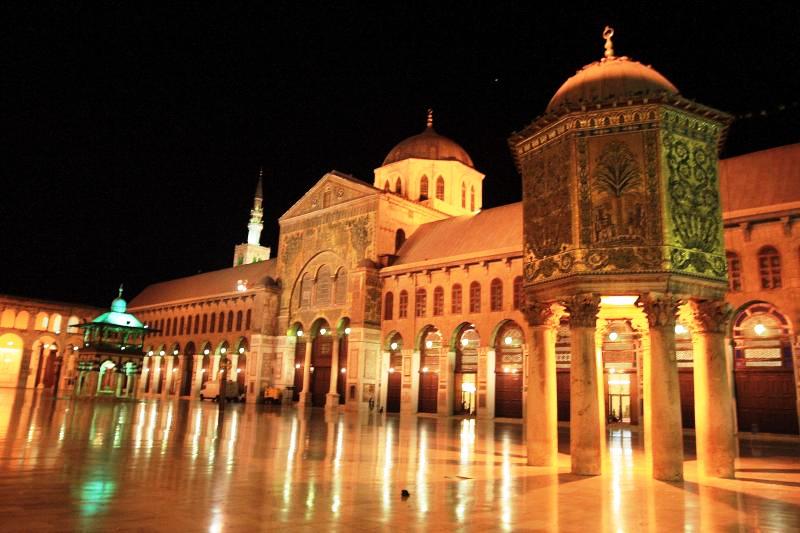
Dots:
{"x": 440, "y": 188}
{"x": 423, "y": 188}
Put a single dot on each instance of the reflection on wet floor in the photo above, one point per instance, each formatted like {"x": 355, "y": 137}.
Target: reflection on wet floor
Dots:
{"x": 181, "y": 466}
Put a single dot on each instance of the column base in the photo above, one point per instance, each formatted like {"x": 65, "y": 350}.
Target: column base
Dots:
{"x": 331, "y": 400}
{"x": 305, "y": 399}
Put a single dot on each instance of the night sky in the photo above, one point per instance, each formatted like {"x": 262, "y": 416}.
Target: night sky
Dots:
{"x": 132, "y": 135}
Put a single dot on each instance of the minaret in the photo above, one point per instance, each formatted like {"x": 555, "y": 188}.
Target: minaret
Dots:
{"x": 256, "y": 214}
{"x": 252, "y": 251}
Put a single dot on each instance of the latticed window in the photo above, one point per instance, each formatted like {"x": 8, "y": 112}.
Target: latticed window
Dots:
{"x": 475, "y": 297}
{"x": 341, "y": 287}
{"x": 519, "y": 295}
{"x": 440, "y": 188}
{"x": 388, "y": 306}
{"x": 472, "y": 198}
{"x": 769, "y": 268}
{"x": 496, "y": 295}
{"x": 402, "y": 306}
{"x": 438, "y": 301}
{"x": 305, "y": 291}
{"x": 420, "y": 302}
{"x": 423, "y": 188}
{"x": 734, "y": 271}
{"x": 323, "y": 293}
{"x": 455, "y": 300}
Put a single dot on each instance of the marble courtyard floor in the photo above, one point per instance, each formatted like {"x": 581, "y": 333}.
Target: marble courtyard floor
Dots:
{"x": 83, "y": 465}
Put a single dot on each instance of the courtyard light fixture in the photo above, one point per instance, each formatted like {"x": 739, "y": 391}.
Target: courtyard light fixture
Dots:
{"x": 393, "y": 346}
{"x": 613, "y": 336}
{"x": 680, "y": 329}
{"x": 347, "y": 331}
{"x": 760, "y": 329}
{"x": 343, "y": 370}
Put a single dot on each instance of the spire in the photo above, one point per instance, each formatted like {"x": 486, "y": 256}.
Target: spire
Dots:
{"x": 259, "y": 188}
{"x": 430, "y": 118}
{"x": 609, "y": 46}
{"x": 120, "y": 291}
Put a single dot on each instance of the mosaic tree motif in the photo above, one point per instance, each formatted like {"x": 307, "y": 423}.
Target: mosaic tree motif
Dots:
{"x": 618, "y": 196}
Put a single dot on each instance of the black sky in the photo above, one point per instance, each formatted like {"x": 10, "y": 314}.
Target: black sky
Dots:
{"x": 132, "y": 134}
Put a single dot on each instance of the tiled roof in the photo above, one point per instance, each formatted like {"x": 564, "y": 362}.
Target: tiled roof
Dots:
{"x": 204, "y": 285}
{"x": 497, "y": 229}
{"x": 760, "y": 179}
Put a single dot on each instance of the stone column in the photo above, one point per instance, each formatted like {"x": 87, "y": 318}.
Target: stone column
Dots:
{"x": 305, "y": 394}
{"x": 587, "y": 413}
{"x": 541, "y": 417}
{"x": 716, "y": 445}
{"x": 332, "y": 398}
{"x": 662, "y": 390}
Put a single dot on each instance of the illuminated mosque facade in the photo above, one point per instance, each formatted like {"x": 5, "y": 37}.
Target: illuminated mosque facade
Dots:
{"x": 639, "y": 279}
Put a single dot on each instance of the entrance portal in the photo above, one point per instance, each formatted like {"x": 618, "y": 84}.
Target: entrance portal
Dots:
{"x": 619, "y": 398}
{"x": 429, "y": 370}
{"x": 508, "y": 371}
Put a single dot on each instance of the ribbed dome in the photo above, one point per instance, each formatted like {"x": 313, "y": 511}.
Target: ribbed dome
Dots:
{"x": 611, "y": 79}
{"x": 428, "y": 145}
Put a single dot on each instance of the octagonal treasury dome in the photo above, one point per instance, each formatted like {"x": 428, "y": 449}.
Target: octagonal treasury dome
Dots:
{"x": 612, "y": 78}
{"x": 428, "y": 145}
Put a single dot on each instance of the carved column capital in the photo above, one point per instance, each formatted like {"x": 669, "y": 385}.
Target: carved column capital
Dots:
{"x": 710, "y": 316}
{"x": 660, "y": 309}
{"x": 582, "y": 310}
{"x": 539, "y": 313}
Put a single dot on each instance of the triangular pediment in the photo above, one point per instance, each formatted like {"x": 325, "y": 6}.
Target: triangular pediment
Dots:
{"x": 332, "y": 189}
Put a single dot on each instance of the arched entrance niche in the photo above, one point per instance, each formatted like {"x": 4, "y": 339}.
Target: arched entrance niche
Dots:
{"x": 241, "y": 364}
{"x": 299, "y": 335}
{"x": 394, "y": 382}
{"x": 10, "y": 359}
{"x": 321, "y": 353}
{"x": 49, "y": 372}
{"x": 44, "y": 350}
{"x": 766, "y": 396}
{"x": 508, "y": 370}
{"x": 465, "y": 344}
{"x": 205, "y": 366}
{"x": 343, "y": 338}
{"x": 620, "y": 347}
{"x": 188, "y": 369}
{"x": 430, "y": 350}
{"x": 107, "y": 382}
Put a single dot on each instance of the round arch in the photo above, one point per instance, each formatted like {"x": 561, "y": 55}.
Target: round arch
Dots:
{"x": 429, "y": 343}
{"x": 222, "y": 348}
{"x": 11, "y": 346}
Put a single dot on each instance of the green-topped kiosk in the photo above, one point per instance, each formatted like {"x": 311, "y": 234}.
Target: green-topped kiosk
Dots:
{"x": 110, "y": 362}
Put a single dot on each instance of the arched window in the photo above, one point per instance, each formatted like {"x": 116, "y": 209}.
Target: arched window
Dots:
{"x": 423, "y": 188}
{"x": 769, "y": 268}
{"x": 196, "y": 324}
{"x": 182, "y": 324}
{"x": 399, "y": 239}
{"x": 213, "y": 322}
{"x": 305, "y": 290}
{"x": 455, "y": 300}
{"x": 420, "y": 302}
{"x": 247, "y": 320}
{"x": 734, "y": 271}
{"x": 398, "y": 186}
{"x": 239, "y": 318}
{"x": 7, "y": 320}
{"x": 519, "y": 294}
{"x": 386, "y": 186}
{"x": 221, "y": 321}
{"x": 388, "y": 306}
{"x": 440, "y": 188}
{"x": 230, "y": 320}
{"x": 340, "y": 292}
{"x": 474, "y": 297}
{"x": 323, "y": 292}
{"x": 205, "y": 323}
{"x": 464, "y": 195}
{"x": 496, "y": 295}
{"x": 169, "y": 327}
{"x": 402, "y": 311}
{"x": 472, "y": 198}
{"x": 438, "y": 301}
